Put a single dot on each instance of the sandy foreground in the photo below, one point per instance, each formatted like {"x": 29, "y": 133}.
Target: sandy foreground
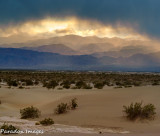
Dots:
{"x": 98, "y": 111}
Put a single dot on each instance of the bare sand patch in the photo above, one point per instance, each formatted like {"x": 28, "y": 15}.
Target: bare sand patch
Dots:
{"x": 100, "y": 110}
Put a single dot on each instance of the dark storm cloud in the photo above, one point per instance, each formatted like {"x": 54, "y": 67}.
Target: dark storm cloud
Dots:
{"x": 146, "y": 13}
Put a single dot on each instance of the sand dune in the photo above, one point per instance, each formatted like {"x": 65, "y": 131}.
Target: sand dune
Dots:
{"x": 100, "y": 110}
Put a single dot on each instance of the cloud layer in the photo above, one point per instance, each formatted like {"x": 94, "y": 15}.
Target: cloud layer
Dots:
{"x": 50, "y": 27}
{"x": 141, "y": 15}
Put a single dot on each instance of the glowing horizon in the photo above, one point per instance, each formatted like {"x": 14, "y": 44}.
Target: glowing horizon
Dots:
{"x": 52, "y": 27}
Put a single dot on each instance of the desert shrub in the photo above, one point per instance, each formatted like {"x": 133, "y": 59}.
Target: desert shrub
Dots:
{"x": 99, "y": 85}
{"x": 107, "y": 83}
{"x": 72, "y": 82}
{"x": 66, "y": 84}
{"x": 12, "y": 83}
{"x": 136, "y": 83}
{"x": 118, "y": 83}
{"x": 137, "y": 110}
{"x": 61, "y": 108}
{"x": 87, "y": 86}
{"x": 73, "y": 103}
{"x": 133, "y": 110}
{"x": 37, "y": 123}
{"x": 29, "y": 112}
{"x": 36, "y": 82}
{"x": 8, "y": 129}
{"x": 148, "y": 111}
{"x": 74, "y": 87}
{"x": 127, "y": 83}
{"x": 127, "y": 86}
{"x": 155, "y": 83}
{"x": 47, "y": 121}
{"x": 51, "y": 84}
{"x": 80, "y": 84}
{"x": 116, "y": 87}
{"x": 29, "y": 82}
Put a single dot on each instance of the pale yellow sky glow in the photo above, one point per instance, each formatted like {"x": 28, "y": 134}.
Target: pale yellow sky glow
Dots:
{"x": 50, "y": 27}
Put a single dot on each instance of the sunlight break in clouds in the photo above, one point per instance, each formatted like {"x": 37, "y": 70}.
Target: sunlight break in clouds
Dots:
{"x": 50, "y": 27}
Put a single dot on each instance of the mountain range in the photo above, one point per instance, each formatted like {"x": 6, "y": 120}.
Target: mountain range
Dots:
{"x": 73, "y": 52}
{"x": 54, "y": 48}
{"x": 13, "y": 58}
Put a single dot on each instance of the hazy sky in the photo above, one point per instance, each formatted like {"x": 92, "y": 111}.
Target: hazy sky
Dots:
{"x": 137, "y": 19}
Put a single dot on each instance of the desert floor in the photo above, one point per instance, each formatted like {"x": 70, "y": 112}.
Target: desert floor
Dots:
{"x": 98, "y": 110}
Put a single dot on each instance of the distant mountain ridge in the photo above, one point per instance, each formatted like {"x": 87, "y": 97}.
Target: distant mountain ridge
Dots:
{"x": 54, "y": 48}
{"x": 72, "y": 52}
{"x": 27, "y": 59}
{"x": 13, "y": 58}
{"x": 123, "y": 52}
